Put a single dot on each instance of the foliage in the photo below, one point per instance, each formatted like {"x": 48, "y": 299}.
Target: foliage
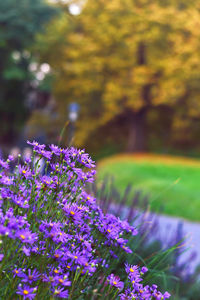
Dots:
{"x": 133, "y": 59}
{"x": 55, "y": 241}
{"x": 19, "y": 23}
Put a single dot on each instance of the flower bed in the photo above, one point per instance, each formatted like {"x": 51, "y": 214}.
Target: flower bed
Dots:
{"x": 55, "y": 240}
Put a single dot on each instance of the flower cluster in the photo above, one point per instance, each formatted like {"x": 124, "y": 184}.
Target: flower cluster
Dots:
{"x": 55, "y": 242}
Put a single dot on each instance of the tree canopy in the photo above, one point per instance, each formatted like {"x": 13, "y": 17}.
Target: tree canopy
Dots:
{"x": 128, "y": 58}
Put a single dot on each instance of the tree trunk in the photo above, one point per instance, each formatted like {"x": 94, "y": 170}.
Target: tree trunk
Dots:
{"x": 137, "y": 136}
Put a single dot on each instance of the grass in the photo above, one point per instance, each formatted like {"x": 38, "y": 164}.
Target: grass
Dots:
{"x": 172, "y": 183}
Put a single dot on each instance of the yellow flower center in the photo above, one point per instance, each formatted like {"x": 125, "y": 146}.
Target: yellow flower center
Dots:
{"x": 25, "y": 292}
{"x": 22, "y": 236}
{"x": 72, "y": 213}
{"x": 75, "y": 257}
{"x": 131, "y": 270}
{"x": 60, "y": 280}
{"x": 108, "y": 230}
{"x": 56, "y": 271}
{"x": 68, "y": 267}
{"x": 114, "y": 282}
{"x": 24, "y": 172}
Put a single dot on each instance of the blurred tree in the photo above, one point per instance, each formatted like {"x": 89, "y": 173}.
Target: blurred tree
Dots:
{"x": 20, "y": 20}
{"x": 128, "y": 58}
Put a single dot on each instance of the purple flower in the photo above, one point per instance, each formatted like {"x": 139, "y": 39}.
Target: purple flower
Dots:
{"x": 26, "y": 236}
{"x": 56, "y": 150}
{"x": 44, "y": 153}
{"x": 132, "y": 270}
{"x": 25, "y": 171}
{"x": 52, "y": 224}
{"x": 143, "y": 270}
{"x": 61, "y": 293}
{"x": 27, "y": 292}
{"x": 115, "y": 281}
{"x": 36, "y": 145}
{"x": 77, "y": 257}
{"x": 63, "y": 280}
{"x": 31, "y": 276}
{"x": 4, "y": 164}
{"x": 7, "y": 180}
{"x": 26, "y": 251}
{"x": 128, "y": 295}
{"x": 74, "y": 212}
{"x": 157, "y": 294}
{"x": 18, "y": 272}
{"x": 20, "y": 201}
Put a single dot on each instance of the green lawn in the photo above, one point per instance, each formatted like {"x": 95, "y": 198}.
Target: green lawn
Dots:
{"x": 173, "y": 185}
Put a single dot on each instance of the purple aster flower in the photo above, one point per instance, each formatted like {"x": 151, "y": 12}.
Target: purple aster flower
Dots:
{"x": 31, "y": 276}
{"x": 128, "y": 295}
{"x": 1, "y": 257}
{"x": 44, "y": 153}
{"x": 56, "y": 150}
{"x": 6, "y": 192}
{"x": 7, "y": 180}
{"x": 132, "y": 270}
{"x": 18, "y": 272}
{"x": 4, "y": 230}
{"x": 143, "y": 270}
{"x": 26, "y": 236}
{"x": 58, "y": 254}
{"x": 127, "y": 249}
{"x": 24, "y": 171}
{"x": 115, "y": 281}
{"x": 77, "y": 257}
{"x": 20, "y": 201}
{"x": 58, "y": 236}
{"x": 36, "y": 145}
{"x": 84, "y": 159}
{"x": 74, "y": 212}
{"x": 166, "y": 295}
{"x": 158, "y": 295}
{"x": 26, "y": 251}
{"x": 61, "y": 293}
{"x": 63, "y": 280}
{"x": 4, "y": 164}
{"x": 27, "y": 292}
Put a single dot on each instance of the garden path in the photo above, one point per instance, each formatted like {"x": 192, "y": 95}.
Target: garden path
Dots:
{"x": 167, "y": 229}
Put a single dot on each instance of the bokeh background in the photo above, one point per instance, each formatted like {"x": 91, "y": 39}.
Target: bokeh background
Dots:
{"x": 131, "y": 65}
